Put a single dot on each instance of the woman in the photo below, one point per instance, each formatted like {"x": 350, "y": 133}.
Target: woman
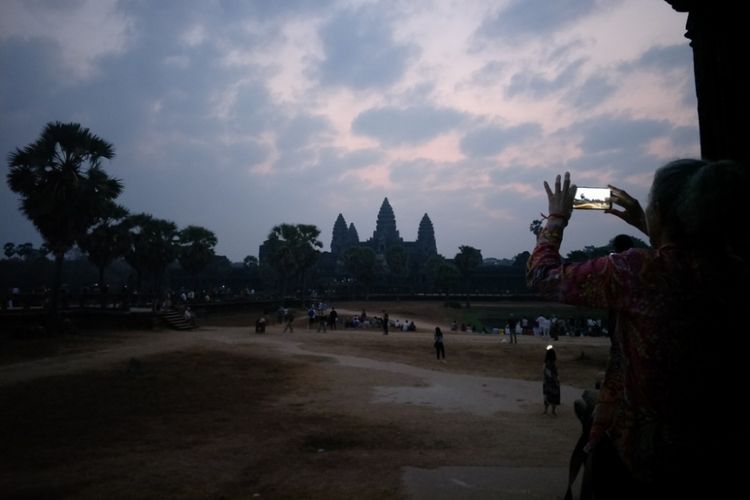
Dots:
{"x": 439, "y": 344}
{"x": 656, "y": 431}
{"x": 551, "y": 384}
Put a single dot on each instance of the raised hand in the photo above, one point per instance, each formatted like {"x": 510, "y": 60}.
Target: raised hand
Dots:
{"x": 561, "y": 199}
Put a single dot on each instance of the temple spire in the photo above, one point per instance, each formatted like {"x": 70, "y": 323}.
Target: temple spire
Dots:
{"x": 426, "y": 236}
{"x": 339, "y": 239}
{"x": 385, "y": 229}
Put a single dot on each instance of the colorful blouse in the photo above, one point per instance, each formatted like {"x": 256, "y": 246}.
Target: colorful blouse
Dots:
{"x": 646, "y": 393}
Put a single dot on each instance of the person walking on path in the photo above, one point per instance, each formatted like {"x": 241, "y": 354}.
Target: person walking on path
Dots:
{"x": 385, "y": 323}
{"x": 289, "y": 318}
{"x": 551, "y": 383}
{"x": 439, "y": 344}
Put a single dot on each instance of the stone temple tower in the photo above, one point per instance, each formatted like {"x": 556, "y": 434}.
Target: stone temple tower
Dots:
{"x": 339, "y": 240}
{"x": 426, "y": 237}
{"x": 385, "y": 234}
{"x": 343, "y": 237}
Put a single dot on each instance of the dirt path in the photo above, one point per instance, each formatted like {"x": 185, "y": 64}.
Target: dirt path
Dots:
{"x": 489, "y": 426}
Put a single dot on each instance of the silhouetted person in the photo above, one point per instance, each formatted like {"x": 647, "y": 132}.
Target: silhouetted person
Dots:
{"x": 513, "y": 323}
{"x": 439, "y": 343}
{"x": 656, "y": 431}
{"x": 551, "y": 382}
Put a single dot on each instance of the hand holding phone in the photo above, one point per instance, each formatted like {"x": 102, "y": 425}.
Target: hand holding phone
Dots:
{"x": 628, "y": 209}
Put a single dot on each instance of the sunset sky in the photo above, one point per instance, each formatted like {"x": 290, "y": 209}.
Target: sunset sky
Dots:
{"x": 240, "y": 115}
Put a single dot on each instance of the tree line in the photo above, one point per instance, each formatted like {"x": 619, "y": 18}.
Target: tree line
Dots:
{"x": 70, "y": 199}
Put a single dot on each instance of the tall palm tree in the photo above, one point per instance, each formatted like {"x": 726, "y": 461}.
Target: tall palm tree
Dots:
{"x": 152, "y": 246}
{"x": 293, "y": 250}
{"x": 63, "y": 188}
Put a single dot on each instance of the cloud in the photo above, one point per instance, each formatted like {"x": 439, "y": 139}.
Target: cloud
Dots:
{"x": 238, "y": 115}
{"x": 524, "y": 18}
{"x": 685, "y": 137}
{"x": 618, "y": 133}
{"x": 538, "y": 85}
{"x": 30, "y": 82}
{"x": 662, "y": 59}
{"x": 299, "y": 131}
{"x": 594, "y": 91}
{"x": 489, "y": 74}
{"x": 360, "y": 51}
{"x": 413, "y": 125}
{"x": 85, "y": 31}
{"x": 491, "y": 140}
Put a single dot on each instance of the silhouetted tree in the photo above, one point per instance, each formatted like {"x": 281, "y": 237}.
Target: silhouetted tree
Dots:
{"x": 9, "y": 249}
{"x": 447, "y": 276}
{"x": 361, "y": 263}
{"x": 468, "y": 259}
{"x": 196, "y": 249}
{"x": 105, "y": 242}
{"x": 152, "y": 246}
{"x": 397, "y": 260}
{"x": 520, "y": 260}
{"x": 293, "y": 250}
{"x": 63, "y": 188}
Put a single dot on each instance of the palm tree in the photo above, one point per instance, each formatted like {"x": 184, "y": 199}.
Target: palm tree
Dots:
{"x": 63, "y": 188}
{"x": 106, "y": 241}
{"x": 293, "y": 250}
{"x": 152, "y": 246}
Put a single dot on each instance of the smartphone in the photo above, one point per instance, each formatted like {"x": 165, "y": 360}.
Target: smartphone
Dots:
{"x": 593, "y": 198}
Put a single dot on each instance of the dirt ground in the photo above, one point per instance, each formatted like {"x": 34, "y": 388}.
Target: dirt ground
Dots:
{"x": 223, "y": 413}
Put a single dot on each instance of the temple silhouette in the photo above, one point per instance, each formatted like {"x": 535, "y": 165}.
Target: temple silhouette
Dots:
{"x": 385, "y": 236}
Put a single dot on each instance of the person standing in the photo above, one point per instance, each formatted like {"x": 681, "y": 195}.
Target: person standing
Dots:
{"x": 310, "y": 317}
{"x": 385, "y": 323}
{"x": 439, "y": 344}
{"x": 551, "y": 383}
{"x": 322, "y": 320}
{"x": 332, "y": 318}
{"x": 513, "y": 323}
{"x": 663, "y": 440}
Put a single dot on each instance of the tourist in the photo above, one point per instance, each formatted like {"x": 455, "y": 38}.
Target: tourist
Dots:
{"x": 659, "y": 429}
{"x": 333, "y": 317}
{"x": 515, "y": 327}
{"x": 551, "y": 383}
{"x": 289, "y": 318}
{"x": 439, "y": 344}
{"x": 385, "y": 322}
{"x": 322, "y": 320}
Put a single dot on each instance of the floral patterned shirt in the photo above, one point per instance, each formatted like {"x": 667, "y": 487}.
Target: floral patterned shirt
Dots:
{"x": 646, "y": 387}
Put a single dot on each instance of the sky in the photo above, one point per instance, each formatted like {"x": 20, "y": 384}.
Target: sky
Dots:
{"x": 240, "y": 115}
